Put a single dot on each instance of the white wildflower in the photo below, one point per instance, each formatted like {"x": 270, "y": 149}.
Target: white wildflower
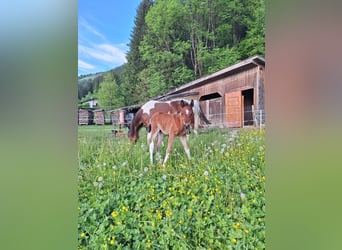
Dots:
{"x": 242, "y": 195}
{"x": 95, "y": 184}
{"x": 124, "y": 163}
{"x": 114, "y": 167}
{"x": 145, "y": 169}
{"x": 100, "y": 179}
{"x": 206, "y": 173}
{"x": 140, "y": 175}
{"x": 164, "y": 177}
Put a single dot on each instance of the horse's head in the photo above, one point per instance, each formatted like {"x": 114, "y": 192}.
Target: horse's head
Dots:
{"x": 187, "y": 112}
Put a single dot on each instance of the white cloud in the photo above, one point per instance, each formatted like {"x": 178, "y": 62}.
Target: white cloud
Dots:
{"x": 94, "y": 48}
{"x": 90, "y": 28}
{"x": 84, "y": 65}
{"x": 104, "y": 52}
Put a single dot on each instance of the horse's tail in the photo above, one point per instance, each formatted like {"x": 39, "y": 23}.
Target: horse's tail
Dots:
{"x": 203, "y": 117}
{"x": 196, "y": 109}
{"x": 199, "y": 116}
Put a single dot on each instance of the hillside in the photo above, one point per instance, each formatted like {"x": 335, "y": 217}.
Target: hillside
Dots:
{"x": 91, "y": 82}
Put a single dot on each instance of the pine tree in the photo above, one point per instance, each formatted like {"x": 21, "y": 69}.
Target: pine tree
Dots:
{"x": 135, "y": 64}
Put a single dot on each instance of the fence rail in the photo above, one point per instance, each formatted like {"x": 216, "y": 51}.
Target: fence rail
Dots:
{"x": 256, "y": 118}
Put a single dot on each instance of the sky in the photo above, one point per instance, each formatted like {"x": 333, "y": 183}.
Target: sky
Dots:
{"x": 104, "y": 30}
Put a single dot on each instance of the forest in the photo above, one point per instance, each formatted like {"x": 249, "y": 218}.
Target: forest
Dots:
{"x": 176, "y": 41}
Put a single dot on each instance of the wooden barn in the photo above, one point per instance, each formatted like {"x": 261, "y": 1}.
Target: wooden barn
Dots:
{"x": 231, "y": 97}
{"x": 124, "y": 115}
{"x": 85, "y": 117}
{"x": 114, "y": 116}
{"x": 99, "y": 117}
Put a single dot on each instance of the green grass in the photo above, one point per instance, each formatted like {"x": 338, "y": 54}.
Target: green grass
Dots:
{"x": 214, "y": 201}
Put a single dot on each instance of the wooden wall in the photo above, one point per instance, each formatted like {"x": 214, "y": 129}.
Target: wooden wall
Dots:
{"x": 85, "y": 117}
{"x": 228, "y": 101}
{"x": 99, "y": 117}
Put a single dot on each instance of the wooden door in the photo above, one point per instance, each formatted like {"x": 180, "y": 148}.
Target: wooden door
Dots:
{"x": 234, "y": 108}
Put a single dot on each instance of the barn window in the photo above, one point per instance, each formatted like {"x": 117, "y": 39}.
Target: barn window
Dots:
{"x": 210, "y": 96}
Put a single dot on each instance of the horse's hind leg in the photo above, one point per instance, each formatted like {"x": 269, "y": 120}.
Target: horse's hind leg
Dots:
{"x": 169, "y": 147}
{"x": 185, "y": 145}
{"x": 159, "y": 141}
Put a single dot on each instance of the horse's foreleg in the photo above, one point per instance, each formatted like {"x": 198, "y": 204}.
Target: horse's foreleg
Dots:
{"x": 185, "y": 145}
{"x": 169, "y": 147}
{"x": 152, "y": 137}
{"x": 151, "y": 151}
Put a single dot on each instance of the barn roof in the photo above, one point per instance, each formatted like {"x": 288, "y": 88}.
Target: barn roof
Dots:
{"x": 128, "y": 108}
{"x": 238, "y": 67}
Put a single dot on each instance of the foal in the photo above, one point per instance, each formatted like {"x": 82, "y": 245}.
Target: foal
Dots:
{"x": 172, "y": 125}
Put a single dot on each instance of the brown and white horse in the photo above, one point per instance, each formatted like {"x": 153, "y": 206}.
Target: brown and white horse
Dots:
{"x": 143, "y": 115}
{"x": 172, "y": 125}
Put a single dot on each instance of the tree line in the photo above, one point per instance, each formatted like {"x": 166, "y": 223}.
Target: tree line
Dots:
{"x": 176, "y": 41}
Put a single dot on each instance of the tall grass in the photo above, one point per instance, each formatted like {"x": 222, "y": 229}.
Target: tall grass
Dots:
{"x": 213, "y": 201}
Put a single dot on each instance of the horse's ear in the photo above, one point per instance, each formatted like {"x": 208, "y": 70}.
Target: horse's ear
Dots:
{"x": 182, "y": 104}
{"x": 192, "y": 103}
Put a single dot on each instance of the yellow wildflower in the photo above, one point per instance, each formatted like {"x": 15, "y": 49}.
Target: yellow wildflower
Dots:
{"x": 234, "y": 240}
{"x": 114, "y": 214}
{"x": 83, "y": 235}
{"x": 237, "y": 225}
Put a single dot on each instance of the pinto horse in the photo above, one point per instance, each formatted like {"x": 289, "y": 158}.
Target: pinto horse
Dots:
{"x": 172, "y": 125}
{"x": 142, "y": 117}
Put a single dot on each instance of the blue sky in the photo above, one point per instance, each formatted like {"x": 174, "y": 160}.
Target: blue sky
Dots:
{"x": 104, "y": 29}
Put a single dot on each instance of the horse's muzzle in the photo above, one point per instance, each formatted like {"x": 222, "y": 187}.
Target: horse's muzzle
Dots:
{"x": 187, "y": 128}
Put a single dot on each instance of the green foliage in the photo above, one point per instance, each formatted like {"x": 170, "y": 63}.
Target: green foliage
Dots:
{"x": 109, "y": 95}
{"x": 214, "y": 201}
{"x": 134, "y": 88}
{"x": 176, "y": 41}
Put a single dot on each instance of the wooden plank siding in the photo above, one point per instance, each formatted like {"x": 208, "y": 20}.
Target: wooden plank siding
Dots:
{"x": 85, "y": 117}
{"x": 99, "y": 117}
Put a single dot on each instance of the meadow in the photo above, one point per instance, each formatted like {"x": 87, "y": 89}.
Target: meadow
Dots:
{"x": 216, "y": 200}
